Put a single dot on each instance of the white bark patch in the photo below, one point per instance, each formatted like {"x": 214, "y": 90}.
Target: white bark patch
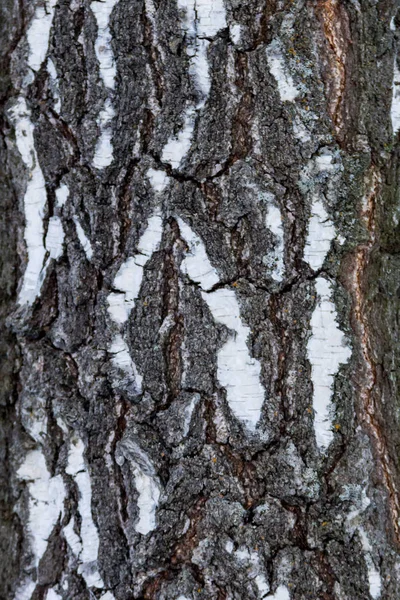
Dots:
{"x": 84, "y": 241}
{"x": 46, "y": 501}
{"x": 55, "y": 238}
{"x": 374, "y": 576}
{"x": 326, "y": 351}
{"x": 52, "y": 595}
{"x": 128, "y": 279}
{"x": 359, "y": 506}
{"x": 321, "y": 232}
{"x": 72, "y": 538}
{"x": 235, "y": 32}
{"x": 273, "y": 222}
{"x": 51, "y": 69}
{"x": 102, "y": 11}
{"x": 62, "y": 194}
{"x": 196, "y": 263}
{"x": 107, "y": 596}
{"x": 34, "y": 204}
{"x": 121, "y": 359}
{"x": 188, "y": 413}
{"x": 282, "y": 593}
{"x": 103, "y": 155}
{"x": 25, "y": 590}
{"x": 203, "y": 20}
{"x": 158, "y": 179}
{"x": 39, "y": 33}
{"x": 178, "y": 146}
{"x": 287, "y": 89}
{"x": 88, "y": 532}
{"x": 146, "y": 483}
{"x": 237, "y": 372}
{"x": 395, "y": 110}
{"x": 254, "y": 568}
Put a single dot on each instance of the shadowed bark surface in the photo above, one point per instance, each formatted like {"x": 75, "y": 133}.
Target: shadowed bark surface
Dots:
{"x": 199, "y": 300}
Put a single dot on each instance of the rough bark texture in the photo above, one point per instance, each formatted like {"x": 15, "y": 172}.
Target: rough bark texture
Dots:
{"x": 137, "y": 459}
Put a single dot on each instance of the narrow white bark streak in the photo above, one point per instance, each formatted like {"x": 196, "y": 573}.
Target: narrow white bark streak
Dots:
{"x": 128, "y": 281}
{"x": 39, "y": 33}
{"x": 359, "y": 505}
{"x": 203, "y": 19}
{"x": 84, "y": 241}
{"x": 88, "y": 532}
{"x": 146, "y": 483}
{"x": 326, "y": 352}
{"x": 34, "y": 203}
{"x": 72, "y": 538}
{"x": 288, "y": 91}
{"x": 395, "y": 110}
{"x": 54, "y": 85}
{"x": 188, "y": 413}
{"x": 237, "y": 372}
{"x": 273, "y": 222}
{"x": 374, "y": 576}
{"x": 321, "y": 232}
{"x": 102, "y": 10}
{"x": 46, "y": 501}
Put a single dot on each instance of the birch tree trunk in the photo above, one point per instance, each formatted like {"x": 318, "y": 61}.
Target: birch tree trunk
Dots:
{"x": 200, "y": 300}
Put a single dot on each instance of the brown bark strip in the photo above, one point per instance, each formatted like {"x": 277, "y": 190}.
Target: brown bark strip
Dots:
{"x": 368, "y": 401}
{"x": 336, "y": 30}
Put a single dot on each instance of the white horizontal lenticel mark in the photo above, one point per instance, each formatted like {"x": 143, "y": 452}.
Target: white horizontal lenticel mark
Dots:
{"x": 326, "y": 352}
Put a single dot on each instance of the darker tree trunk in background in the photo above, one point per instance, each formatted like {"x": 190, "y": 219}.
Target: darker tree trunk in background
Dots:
{"x": 200, "y": 257}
